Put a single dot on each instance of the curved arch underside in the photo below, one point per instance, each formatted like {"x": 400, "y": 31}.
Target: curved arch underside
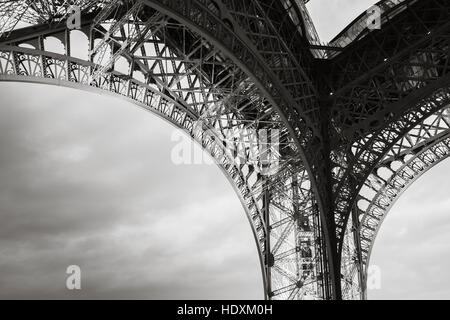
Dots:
{"x": 304, "y": 132}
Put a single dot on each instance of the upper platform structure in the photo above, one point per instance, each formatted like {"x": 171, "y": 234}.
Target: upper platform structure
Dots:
{"x": 303, "y": 131}
{"x": 363, "y": 24}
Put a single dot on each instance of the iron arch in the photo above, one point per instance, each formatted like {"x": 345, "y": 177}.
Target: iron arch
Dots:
{"x": 424, "y": 147}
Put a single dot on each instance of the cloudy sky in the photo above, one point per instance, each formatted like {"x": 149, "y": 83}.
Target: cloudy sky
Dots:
{"x": 413, "y": 247}
{"x": 88, "y": 180}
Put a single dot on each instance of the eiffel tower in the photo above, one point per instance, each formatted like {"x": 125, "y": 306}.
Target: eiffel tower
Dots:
{"x": 358, "y": 119}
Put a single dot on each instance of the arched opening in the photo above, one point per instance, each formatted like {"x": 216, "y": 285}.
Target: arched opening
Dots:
{"x": 79, "y": 45}
{"x": 412, "y": 249}
{"x": 87, "y": 180}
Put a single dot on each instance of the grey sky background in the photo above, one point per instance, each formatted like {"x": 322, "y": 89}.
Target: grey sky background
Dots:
{"x": 87, "y": 180}
{"x": 413, "y": 247}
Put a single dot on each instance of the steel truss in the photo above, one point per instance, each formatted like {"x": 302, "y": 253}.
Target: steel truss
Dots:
{"x": 228, "y": 71}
